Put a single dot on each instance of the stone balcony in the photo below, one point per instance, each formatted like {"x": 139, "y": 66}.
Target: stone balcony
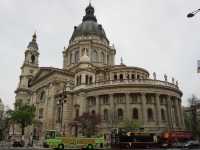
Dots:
{"x": 142, "y": 82}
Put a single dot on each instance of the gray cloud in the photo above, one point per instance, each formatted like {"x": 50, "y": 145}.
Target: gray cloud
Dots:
{"x": 153, "y": 34}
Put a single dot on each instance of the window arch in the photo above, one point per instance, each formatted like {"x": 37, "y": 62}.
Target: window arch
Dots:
{"x": 32, "y": 59}
{"x": 102, "y": 58}
{"x": 29, "y": 82}
{"x": 115, "y": 77}
{"x": 133, "y": 77}
{"x": 120, "y": 114}
{"x": 163, "y": 115}
{"x": 150, "y": 114}
{"x": 71, "y": 58}
{"x": 86, "y": 79}
{"x": 77, "y": 113}
{"x": 105, "y": 114}
{"x": 80, "y": 79}
{"x": 108, "y": 59}
{"x": 93, "y": 112}
{"x": 121, "y": 77}
{"x": 135, "y": 113}
{"x": 90, "y": 80}
{"x": 76, "y": 57}
{"x": 94, "y": 56}
{"x": 42, "y": 96}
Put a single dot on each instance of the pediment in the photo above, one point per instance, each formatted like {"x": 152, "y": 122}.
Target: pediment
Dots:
{"x": 46, "y": 72}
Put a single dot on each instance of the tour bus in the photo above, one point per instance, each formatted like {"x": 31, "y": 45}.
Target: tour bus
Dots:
{"x": 55, "y": 141}
{"x": 134, "y": 139}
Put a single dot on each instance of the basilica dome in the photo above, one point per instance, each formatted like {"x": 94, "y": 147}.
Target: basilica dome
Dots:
{"x": 89, "y": 26}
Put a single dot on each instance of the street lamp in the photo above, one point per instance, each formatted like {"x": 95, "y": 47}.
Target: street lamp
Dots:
{"x": 60, "y": 102}
{"x": 193, "y": 13}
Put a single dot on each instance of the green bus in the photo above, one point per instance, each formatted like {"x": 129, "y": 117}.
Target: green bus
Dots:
{"x": 54, "y": 140}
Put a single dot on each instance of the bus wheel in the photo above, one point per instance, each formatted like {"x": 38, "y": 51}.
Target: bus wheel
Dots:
{"x": 90, "y": 147}
{"x": 60, "y": 147}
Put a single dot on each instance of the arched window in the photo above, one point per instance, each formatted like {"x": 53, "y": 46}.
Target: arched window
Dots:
{"x": 77, "y": 80}
{"x": 120, "y": 114}
{"x": 108, "y": 59}
{"x": 163, "y": 115}
{"x": 94, "y": 56}
{"x": 93, "y": 112}
{"x": 105, "y": 114}
{"x": 86, "y": 79}
{"x": 32, "y": 59}
{"x": 102, "y": 58}
{"x": 150, "y": 114}
{"x": 41, "y": 113}
{"x": 135, "y": 113}
{"x": 29, "y": 82}
{"x": 133, "y": 77}
{"x": 71, "y": 58}
{"x": 76, "y": 57}
{"x": 115, "y": 77}
{"x": 42, "y": 96}
{"x": 77, "y": 113}
{"x": 80, "y": 79}
{"x": 121, "y": 77}
{"x": 138, "y": 76}
{"x": 90, "y": 80}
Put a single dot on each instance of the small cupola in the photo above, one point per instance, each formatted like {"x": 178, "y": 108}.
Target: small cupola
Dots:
{"x": 33, "y": 44}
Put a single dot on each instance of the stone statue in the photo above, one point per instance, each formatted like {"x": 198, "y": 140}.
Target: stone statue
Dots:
{"x": 173, "y": 80}
{"x": 177, "y": 83}
{"x": 165, "y": 76}
{"x": 154, "y": 75}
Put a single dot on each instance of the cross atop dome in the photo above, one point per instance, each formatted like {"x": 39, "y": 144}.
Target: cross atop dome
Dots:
{"x": 89, "y": 14}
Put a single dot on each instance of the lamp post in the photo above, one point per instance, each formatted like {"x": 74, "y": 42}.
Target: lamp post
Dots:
{"x": 60, "y": 102}
{"x": 192, "y": 14}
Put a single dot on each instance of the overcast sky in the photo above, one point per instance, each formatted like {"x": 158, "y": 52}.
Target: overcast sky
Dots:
{"x": 154, "y": 34}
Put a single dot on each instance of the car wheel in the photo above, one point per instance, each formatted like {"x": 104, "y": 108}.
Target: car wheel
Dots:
{"x": 61, "y": 147}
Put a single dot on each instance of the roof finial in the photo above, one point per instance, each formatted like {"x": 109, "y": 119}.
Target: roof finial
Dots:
{"x": 34, "y": 36}
{"x": 121, "y": 59}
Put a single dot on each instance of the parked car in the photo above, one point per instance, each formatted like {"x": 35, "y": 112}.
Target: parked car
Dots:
{"x": 192, "y": 144}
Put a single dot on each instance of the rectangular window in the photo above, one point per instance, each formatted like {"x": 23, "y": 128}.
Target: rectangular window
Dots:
{"x": 40, "y": 113}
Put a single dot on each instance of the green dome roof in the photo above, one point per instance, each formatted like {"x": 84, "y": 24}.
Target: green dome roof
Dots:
{"x": 89, "y": 26}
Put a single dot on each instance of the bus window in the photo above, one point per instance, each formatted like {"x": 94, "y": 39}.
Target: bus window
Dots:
{"x": 50, "y": 135}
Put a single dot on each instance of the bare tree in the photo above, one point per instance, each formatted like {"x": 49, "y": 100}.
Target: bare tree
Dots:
{"x": 193, "y": 100}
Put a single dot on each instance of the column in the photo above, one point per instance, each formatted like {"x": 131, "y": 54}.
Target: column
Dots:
{"x": 178, "y": 112}
{"x": 127, "y": 98}
{"x": 169, "y": 111}
{"x": 67, "y": 114}
{"x": 98, "y": 103}
{"x": 82, "y": 102}
{"x": 144, "y": 112}
{"x": 158, "y": 109}
{"x": 112, "y": 110}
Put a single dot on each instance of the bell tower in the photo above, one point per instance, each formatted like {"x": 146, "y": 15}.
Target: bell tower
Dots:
{"x": 28, "y": 71}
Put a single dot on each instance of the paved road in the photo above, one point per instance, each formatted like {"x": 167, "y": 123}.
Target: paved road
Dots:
{"x": 4, "y": 147}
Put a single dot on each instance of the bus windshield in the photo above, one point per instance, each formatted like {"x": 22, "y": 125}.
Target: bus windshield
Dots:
{"x": 51, "y": 134}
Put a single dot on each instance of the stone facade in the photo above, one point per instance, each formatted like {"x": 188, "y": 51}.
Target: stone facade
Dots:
{"x": 90, "y": 81}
